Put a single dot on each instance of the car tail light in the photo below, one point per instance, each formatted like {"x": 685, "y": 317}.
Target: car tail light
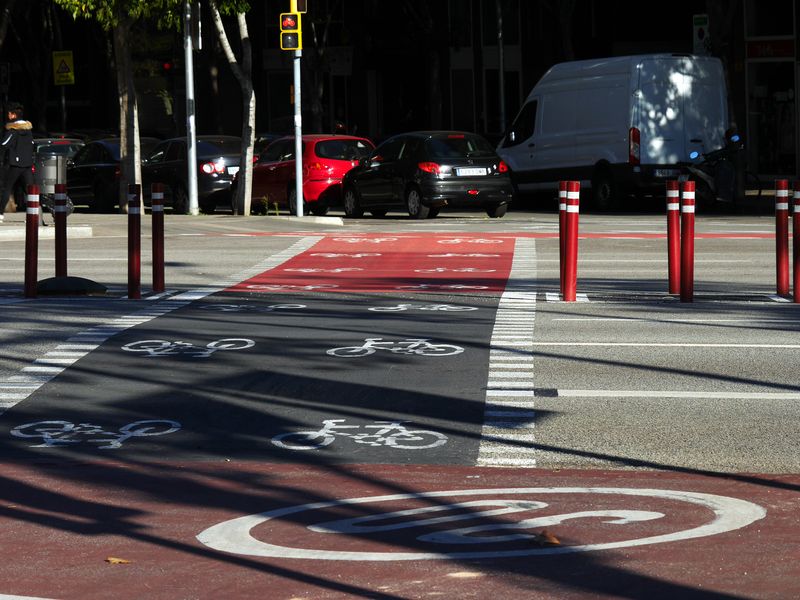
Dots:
{"x": 213, "y": 167}
{"x": 473, "y": 192}
{"x": 634, "y": 151}
{"x": 429, "y": 167}
{"x": 502, "y": 167}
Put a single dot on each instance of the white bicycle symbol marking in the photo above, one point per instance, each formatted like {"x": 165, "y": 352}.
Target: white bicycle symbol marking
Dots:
{"x": 172, "y": 348}
{"x": 469, "y": 241}
{"x": 287, "y": 286}
{"x": 386, "y": 433}
{"x": 455, "y": 254}
{"x": 419, "y": 346}
{"x": 410, "y": 306}
{"x": 337, "y": 270}
{"x": 61, "y": 433}
{"x": 437, "y": 286}
{"x": 725, "y": 514}
{"x": 335, "y": 255}
{"x": 354, "y": 240}
{"x": 249, "y": 307}
{"x": 459, "y": 270}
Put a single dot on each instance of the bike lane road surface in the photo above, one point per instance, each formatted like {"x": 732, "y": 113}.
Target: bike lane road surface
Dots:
{"x": 161, "y": 499}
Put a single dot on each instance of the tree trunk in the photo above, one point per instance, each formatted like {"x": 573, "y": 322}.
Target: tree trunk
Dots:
{"x": 130, "y": 159}
{"x": 243, "y": 74}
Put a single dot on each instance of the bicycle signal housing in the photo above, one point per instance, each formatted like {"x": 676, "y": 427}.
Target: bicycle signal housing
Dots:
{"x": 291, "y": 31}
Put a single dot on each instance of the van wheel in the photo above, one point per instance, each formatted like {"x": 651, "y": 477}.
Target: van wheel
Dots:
{"x": 604, "y": 192}
{"x": 416, "y": 209}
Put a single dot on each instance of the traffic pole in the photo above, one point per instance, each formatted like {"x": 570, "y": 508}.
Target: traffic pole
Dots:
{"x": 134, "y": 242}
{"x": 782, "y": 236}
{"x": 562, "y": 231}
{"x": 157, "y": 210}
{"x": 687, "y": 241}
{"x": 31, "y": 240}
{"x": 674, "y": 237}
{"x": 571, "y": 247}
{"x": 796, "y": 241}
{"x": 60, "y": 221}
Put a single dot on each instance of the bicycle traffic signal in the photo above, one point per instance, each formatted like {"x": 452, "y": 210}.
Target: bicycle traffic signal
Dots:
{"x": 291, "y": 34}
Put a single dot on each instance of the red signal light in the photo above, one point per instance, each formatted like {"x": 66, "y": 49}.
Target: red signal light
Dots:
{"x": 289, "y": 22}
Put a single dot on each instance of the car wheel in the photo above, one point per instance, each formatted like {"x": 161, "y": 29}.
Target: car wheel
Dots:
{"x": 101, "y": 201}
{"x": 352, "y": 207}
{"x": 180, "y": 201}
{"x": 416, "y": 209}
{"x": 209, "y": 207}
{"x": 379, "y": 213}
{"x": 319, "y": 208}
{"x": 433, "y": 212}
{"x": 496, "y": 211}
{"x": 292, "y": 201}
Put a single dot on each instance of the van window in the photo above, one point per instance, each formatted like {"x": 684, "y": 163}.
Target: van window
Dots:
{"x": 523, "y": 126}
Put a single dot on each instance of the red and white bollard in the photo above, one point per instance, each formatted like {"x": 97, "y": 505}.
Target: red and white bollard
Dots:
{"x": 796, "y": 241}
{"x": 687, "y": 241}
{"x": 782, "y": 236}
{"x": 134, "y": 242}
{"x": 60, "y": 221}
{"x": 31, "y": 240}
{"x": 562, "y": 231}
{"x": 571, "y": 246}
{"x": 674, "y": 237}
{"x": 157, "y": 210}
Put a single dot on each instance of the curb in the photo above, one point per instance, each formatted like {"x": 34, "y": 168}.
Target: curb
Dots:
{"x": 45, "y": 233}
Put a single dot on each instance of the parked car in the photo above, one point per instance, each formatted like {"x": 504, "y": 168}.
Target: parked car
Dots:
{"x": 93, "y": 173}
{"x": 326, "y": 158}
{"x": 218, "y": 158}
{"x": 423, "y": 171}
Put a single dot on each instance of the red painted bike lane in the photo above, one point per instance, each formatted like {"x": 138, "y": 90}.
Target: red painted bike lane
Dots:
{"x": 248, "y": 530}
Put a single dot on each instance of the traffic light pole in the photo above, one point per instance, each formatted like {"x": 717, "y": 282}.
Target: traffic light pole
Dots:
{"x": 298, "y": 136}
{"x": 191, "y": 134}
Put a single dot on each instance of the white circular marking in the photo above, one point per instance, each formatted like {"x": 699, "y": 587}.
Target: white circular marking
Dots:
{"x": 729, "y": 514}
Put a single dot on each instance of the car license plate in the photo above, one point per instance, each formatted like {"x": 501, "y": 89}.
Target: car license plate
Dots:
{"x": 667, "y": 173}
{"x": 233, "y": 170}
{"x": 467, "y": 171}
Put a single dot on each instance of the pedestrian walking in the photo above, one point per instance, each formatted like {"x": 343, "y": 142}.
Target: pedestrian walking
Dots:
{"x": 16, "y": 154}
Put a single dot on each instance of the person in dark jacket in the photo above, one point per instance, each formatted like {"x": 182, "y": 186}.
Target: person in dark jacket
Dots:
{"x": 16, "y": 150}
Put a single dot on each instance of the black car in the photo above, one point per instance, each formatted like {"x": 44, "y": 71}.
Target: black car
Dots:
{"x": 423, "y": 171}
{"x": 93, "y": 173}
{"x": 218, "y": 158}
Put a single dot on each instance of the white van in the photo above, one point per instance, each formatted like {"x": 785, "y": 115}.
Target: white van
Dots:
{"x": 619, "y": 125}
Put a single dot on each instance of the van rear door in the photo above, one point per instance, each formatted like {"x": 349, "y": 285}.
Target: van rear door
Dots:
{"x": 682, "y": 107}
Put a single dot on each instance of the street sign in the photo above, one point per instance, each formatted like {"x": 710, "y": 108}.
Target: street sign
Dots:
{"x": 63, "y": 68}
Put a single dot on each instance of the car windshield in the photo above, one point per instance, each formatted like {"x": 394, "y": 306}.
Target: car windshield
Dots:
{"x": 66, "y": 148}
{"x": 206, "y": 148}
{"x": 342, "y": 149}
{"x": 458, "y": 145}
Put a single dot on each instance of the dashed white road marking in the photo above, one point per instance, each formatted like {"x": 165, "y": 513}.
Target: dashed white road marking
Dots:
{"x": 17, "y": 388}
{"x": 509, "y": 419}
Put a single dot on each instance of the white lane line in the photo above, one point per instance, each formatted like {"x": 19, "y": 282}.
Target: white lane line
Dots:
{"x": 17, "y": 388}
{"x": 566, "y": 393}
{"x": 556, "y": 297}
{"x": 670, "y": 345}
{"x": 678, "y": 321}
{"x": 509, "y": 418}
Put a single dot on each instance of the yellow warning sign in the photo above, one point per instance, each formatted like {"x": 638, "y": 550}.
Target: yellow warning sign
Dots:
{"x": 63, "y": 69}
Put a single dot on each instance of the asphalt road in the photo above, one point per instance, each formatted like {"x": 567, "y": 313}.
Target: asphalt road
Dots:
{"x": 386, "y": 351}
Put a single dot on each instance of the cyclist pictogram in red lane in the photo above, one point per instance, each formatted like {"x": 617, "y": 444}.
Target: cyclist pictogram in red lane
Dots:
{"x": 393, "y": 263}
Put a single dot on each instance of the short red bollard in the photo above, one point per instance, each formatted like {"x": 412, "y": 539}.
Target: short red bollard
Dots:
{"x": 687, "y": 241}
{"x": 31, "y": 241}
{"x": 562, "y": 231}
{"x": 60, "y": 220}
{"x": 796, "y": 241}
{"x": 674, "y": 237}
{"x": 134, "y": 242}
{"x": 157, "y": 210}
{"x": 571, "y": 247}
{"x": 782, "y": 236}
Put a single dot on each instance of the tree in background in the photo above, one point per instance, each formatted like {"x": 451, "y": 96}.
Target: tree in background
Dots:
{"x": 244, "y": 75}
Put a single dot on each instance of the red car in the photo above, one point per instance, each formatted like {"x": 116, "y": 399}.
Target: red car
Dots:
{"x": 326, "y": 158}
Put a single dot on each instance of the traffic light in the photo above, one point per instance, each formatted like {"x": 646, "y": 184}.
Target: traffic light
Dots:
{"x": 291, "y": 34}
